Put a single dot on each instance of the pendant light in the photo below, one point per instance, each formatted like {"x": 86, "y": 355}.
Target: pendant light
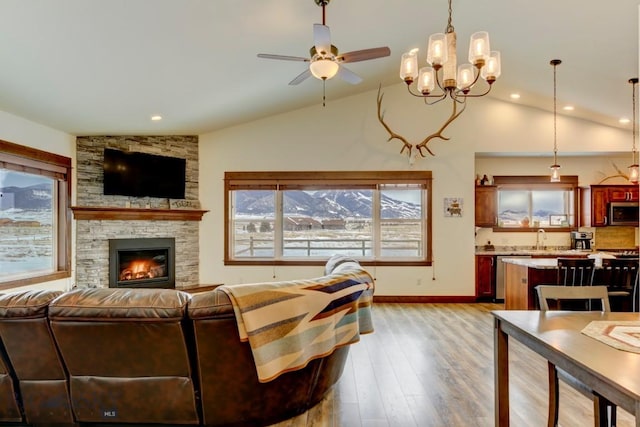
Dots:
{"x": 555, "y": 167}
{"x": 633, "y": 169}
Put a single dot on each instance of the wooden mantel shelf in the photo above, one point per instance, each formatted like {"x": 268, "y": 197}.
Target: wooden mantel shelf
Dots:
{"x": 128, "y": 214}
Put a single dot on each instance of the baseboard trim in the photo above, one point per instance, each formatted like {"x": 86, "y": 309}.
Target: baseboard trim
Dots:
{"x": 425, "y": 299}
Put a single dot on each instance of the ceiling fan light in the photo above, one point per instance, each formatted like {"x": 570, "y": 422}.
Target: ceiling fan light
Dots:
{"x": 324, "y": 69}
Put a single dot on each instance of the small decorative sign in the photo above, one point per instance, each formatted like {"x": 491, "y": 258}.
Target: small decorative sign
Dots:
{"x": 184, "y": 204}
{"x": 453, "y": 206}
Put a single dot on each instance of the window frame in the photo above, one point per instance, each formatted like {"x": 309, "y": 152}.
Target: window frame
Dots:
{"x": 306, "y": 179}
{"x": 19, "y": 158}
{"x": 539, "y": 182}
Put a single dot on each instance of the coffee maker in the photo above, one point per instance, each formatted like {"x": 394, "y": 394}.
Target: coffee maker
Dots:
{"x": 581, "y": 240}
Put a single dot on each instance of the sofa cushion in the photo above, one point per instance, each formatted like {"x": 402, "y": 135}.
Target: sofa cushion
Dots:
{"x": 27, "y": 304}
{"x": 116, "y": 305}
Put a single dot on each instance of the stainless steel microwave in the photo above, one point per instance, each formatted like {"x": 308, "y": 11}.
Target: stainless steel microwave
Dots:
{"x": 624, "y": 213}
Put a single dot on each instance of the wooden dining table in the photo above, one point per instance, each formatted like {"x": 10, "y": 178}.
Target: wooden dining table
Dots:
{"x": 556, "y": 336}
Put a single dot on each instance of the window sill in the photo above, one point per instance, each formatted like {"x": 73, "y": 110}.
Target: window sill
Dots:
{"x": 35, "y": 280}
{"x": 420, "y": 263}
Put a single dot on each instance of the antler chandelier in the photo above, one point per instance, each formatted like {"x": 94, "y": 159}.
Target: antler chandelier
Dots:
{"x": 443, "y": 79}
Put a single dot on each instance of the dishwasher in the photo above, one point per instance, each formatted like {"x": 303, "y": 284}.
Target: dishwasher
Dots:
{"x": 500, "y": 274}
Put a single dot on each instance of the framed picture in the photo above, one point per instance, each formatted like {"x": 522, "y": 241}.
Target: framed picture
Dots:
{"x": 453, "y": 206}
{"x": 558, "y": 221}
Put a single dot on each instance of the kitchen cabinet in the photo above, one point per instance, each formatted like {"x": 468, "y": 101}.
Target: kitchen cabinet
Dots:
{"x": 485, "y": 276}
{"x": 486, "y": 205}
{"x": 626, "y": 193}
{"x": 602, "y": 195}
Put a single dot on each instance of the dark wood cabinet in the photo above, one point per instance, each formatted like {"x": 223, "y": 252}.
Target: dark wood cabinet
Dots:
{"x": 602, "y": 195}
{"x": 626, "y": 193}
{"x": 486, "y": 205}
{"x": 485, "y": 276}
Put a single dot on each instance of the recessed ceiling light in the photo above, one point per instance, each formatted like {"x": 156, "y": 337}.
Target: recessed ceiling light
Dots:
{"x": 568, "y": 108}
{"x": 514, "y": 96}
{"x": 624, "y": 121}
{"x": 156, "y": 118}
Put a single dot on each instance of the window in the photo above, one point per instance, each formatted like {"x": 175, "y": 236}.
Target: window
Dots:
{"x": 34, "y": 216}
{"x": 304, "y": 217}
{"x": 534, "y": 202}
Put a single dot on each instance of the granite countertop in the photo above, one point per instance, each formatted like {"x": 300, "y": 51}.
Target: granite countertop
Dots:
{"x": 537, "y": 263}
{"x": 502, "y": 251}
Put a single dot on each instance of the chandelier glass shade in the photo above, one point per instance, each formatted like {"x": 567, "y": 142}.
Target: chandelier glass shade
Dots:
{"x": 634, "y": 176}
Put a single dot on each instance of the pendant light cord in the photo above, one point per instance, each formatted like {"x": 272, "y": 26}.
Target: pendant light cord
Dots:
{"x": 633, "y": 148}
{"x": 555, "y": 63}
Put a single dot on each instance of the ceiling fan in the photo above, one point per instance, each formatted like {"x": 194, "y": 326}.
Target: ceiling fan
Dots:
{"x": 325, "y": 62}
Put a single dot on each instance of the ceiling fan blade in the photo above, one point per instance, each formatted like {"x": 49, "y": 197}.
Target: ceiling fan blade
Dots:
{"x": 365, "y": 54}
{"x": 282, "y": 57}
{"x": 321, "y": 38}
{"x": 300, "y": 77}
{"x": 348, "y": 75}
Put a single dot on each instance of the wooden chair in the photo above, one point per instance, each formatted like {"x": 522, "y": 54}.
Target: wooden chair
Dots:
{"x": 575, "y": 271}
{"x": 604, "y": 411}
{"x": 620, "y": 277}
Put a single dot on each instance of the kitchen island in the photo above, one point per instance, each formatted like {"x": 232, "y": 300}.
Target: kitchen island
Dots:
{"x": 522, "y": 275}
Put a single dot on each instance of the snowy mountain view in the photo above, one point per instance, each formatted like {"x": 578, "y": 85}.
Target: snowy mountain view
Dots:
{"x": 324, "y": 204}
{"x": 26, "y": 219}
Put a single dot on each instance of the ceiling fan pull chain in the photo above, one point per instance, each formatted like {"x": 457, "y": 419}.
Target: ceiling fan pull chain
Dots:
{"x": 324, "y": 87}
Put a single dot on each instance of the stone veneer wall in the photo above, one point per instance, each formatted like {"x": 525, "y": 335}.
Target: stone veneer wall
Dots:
{"x": 92, "y": 236}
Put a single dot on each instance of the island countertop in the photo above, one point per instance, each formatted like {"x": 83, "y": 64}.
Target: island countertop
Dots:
{"x": 537, "y": 263}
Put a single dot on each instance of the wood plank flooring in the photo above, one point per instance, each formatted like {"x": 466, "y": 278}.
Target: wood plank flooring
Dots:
{"x": 432, "y": 365}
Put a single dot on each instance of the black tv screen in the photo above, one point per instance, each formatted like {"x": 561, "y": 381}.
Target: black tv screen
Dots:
{"x": 143, "y": 175}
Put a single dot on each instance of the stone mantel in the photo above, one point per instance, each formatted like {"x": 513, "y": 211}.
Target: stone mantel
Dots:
{"x": 130, "y": 214}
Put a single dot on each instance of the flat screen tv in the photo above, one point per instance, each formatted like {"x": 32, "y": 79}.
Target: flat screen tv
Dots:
{"x": 143, "y": 175}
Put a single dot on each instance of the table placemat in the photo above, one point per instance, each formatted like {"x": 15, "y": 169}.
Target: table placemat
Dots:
{"x": 623, "y": 335}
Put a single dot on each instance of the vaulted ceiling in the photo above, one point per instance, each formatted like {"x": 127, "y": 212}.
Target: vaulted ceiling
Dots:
{"x": 104, "y": 67}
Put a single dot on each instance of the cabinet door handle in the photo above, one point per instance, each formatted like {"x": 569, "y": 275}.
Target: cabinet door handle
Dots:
{"x": 492, "y": 261}
{"x": 605, "y": 220}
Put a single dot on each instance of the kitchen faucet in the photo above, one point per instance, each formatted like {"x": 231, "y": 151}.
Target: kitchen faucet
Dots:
{"x": 539, "y": 241}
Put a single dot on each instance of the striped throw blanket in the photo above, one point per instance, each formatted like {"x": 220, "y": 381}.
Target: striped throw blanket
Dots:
{"x": 290, "y": 323}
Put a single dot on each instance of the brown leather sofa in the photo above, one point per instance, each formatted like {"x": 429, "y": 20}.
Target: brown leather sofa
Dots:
{"x": 41, "y": 386}
{"x": 113, "y": 357}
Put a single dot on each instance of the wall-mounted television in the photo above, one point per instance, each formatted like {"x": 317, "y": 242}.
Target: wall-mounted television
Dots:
{"x": 143, "y": 175}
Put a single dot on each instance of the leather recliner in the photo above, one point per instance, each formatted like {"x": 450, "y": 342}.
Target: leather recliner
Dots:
{"x": 126, "y": 354}
{"x": 9, "y": 407}
{"x": 29, "y": 345}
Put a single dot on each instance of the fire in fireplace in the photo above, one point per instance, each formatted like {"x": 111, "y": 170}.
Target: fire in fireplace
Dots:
{"x": 142, "y": 263}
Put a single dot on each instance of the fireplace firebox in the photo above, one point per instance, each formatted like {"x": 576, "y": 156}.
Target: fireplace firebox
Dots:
{"x": 142, "y": 263}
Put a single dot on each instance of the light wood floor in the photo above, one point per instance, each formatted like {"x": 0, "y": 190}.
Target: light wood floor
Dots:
{"x": 432, "y": 365}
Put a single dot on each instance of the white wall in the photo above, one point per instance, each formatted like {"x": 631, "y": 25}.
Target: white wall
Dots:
{"x": 346, "y": 135}
{"x": 24, "y": 132}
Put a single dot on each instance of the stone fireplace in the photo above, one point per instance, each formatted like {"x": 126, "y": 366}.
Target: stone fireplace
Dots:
{"x": 122, "y": 217}
{"x": 142, "y": 263}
